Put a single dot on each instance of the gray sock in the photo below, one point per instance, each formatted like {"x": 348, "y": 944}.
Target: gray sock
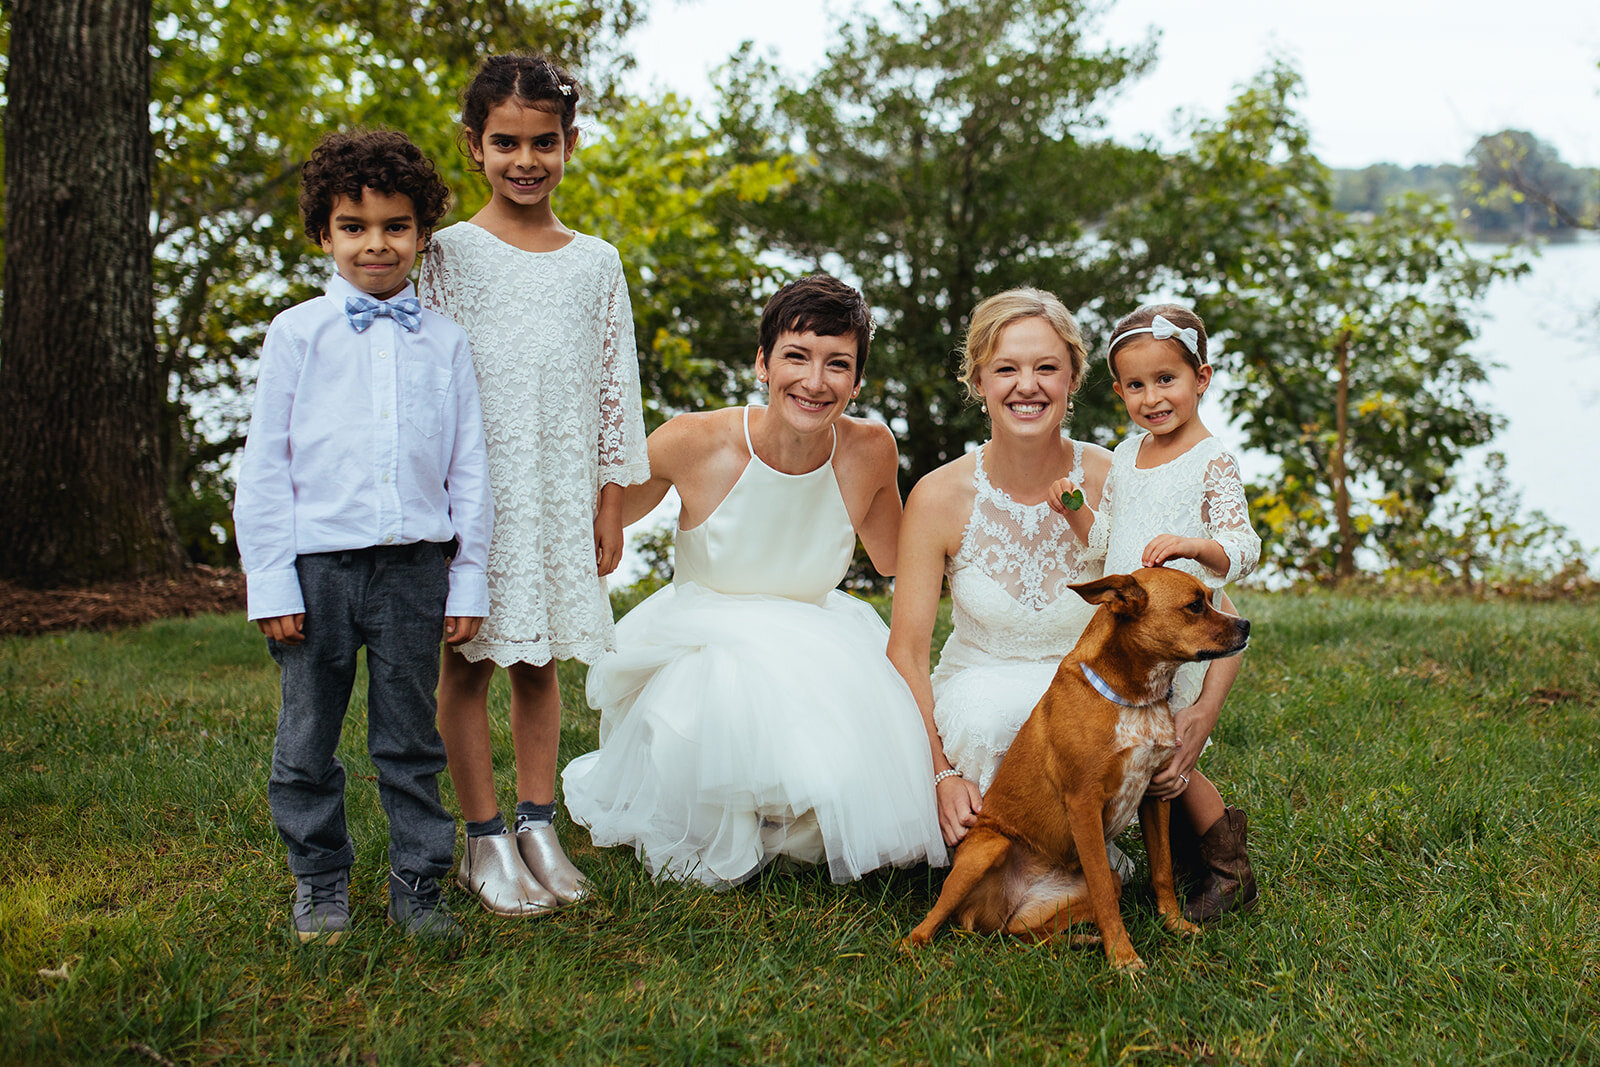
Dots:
{"x": 531, "y": 814}
{"x": 487, "y": 827}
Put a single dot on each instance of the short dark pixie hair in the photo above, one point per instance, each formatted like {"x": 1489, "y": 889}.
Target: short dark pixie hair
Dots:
{"x": 532, "y": 79}
{"x": 349, "y": 162}
{"x": 819, "y": 304}
{"x": 1141, "y": 318}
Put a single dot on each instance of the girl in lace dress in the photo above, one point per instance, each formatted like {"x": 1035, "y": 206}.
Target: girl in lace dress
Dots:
{"x": 981, "y": 520}
{"x": 552, "y": 336}
{"x": 1174, "y": 498}
{"x": 748, "y": 712}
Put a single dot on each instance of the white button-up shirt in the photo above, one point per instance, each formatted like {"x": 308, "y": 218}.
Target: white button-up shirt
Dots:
{"x": 362, "y": 439}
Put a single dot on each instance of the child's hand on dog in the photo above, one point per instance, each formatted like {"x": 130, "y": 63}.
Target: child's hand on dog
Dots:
{"x": 1167, "y": 546}
{"x": 959, "y": 804}
{"x": 1204, "y": 551}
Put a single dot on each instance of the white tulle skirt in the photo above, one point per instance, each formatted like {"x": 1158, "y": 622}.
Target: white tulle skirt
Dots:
{"x": 737, "y": 729}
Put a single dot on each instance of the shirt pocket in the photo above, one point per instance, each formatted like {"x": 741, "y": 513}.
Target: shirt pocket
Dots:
{"x": 426, "y": 387}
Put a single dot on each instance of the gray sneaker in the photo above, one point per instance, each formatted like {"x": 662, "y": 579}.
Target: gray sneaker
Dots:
{"x": 322, "y": 906}
{"x": 418, "y": 910}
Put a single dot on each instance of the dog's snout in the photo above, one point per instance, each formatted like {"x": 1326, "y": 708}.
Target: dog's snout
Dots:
{"x": 1244, "y": 628}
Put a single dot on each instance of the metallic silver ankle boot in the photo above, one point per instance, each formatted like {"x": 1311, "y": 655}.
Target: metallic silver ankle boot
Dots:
{"x": 491, "y": 869}
{"x": 541, "y": 851}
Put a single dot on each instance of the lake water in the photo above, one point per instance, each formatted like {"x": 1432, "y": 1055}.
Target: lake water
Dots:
{"x": 1543, "y": 331}
{"x": 1539, "y": 337}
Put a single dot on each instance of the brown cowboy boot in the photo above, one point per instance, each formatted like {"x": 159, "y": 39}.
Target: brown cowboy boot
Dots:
{"x": 1229, "y": 884}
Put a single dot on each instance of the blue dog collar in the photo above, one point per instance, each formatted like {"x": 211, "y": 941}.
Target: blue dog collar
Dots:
{"x": 1104, "y": 689}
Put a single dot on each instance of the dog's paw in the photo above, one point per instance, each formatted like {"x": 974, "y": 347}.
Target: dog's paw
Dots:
{"x": 1177, "y": 924}
{"x": 1131, "y": 965}
{"x": 914, "y": 940}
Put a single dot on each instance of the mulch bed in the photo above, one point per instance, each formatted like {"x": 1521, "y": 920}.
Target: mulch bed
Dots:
{"x": 199, "y": 590}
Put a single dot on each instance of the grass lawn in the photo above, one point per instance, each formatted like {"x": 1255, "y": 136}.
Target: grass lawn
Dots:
{"x": 1422, "y": 778}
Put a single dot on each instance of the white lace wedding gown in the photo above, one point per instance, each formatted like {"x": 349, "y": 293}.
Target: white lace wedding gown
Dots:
{"x": 749, "y": 710}
{"x": 1014, "y": 620}
{"x": 1198, "y": 494}
{"x": 552, "y": 339}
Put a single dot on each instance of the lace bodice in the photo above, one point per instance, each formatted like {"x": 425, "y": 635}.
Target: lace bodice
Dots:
{"x": 780, "y": 534}
{"x": 1198, "y": 494}
{"x": 552, "y": 340}
{"x": 1009, "y": 577}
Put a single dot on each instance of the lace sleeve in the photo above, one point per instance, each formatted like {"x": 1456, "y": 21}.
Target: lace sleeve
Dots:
{"x": 1226, "y": 515}
{"x": 623, "y": 459}
{"x": 434, "y": 289}
{"x": 1100, "y": 532}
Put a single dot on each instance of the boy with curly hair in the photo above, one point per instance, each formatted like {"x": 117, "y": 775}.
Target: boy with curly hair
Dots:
{"x": 363, "y": 517}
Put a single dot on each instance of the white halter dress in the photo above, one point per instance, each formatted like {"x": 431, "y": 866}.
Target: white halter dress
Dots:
{"x": 749, "y": 710}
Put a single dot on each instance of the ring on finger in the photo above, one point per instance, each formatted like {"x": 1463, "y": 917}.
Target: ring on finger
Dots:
{"x": 1184, "y": 778}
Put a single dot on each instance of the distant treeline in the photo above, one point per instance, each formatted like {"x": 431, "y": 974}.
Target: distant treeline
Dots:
{"x": 1512, "y": 185}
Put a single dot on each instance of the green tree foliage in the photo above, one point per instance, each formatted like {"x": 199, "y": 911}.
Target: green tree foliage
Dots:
{"x": 661, "y": 186}
{"x": 241, "y": 92}
{"x": 1482, "y": 539}
{"x": 1512, "y": 186}
{"x": 1518, "y": 185}
{"x": 953, "y": 151}
{"x": 1243, "y": 225}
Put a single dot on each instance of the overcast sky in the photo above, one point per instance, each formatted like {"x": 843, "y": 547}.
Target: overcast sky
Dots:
{"x": 1401, "y": 81}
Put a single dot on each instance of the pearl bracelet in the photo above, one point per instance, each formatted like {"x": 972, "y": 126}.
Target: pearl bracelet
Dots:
{"x": 942, "y": 775}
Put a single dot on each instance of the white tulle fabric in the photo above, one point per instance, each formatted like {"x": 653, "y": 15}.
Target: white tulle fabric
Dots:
{"x": 750, "y": 712}
{"x": 1198, "y": 494}
{"x": 552, "y": 339}
{"x": 1014, "y": 620}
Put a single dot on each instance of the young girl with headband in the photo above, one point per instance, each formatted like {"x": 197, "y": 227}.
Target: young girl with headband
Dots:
{"x": 1174, "y": 497}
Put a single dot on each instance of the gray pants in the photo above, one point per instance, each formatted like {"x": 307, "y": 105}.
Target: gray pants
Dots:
{"x": 391, "y": 599}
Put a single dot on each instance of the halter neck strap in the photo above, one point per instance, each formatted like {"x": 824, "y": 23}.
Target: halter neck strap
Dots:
{"x": 833, "y": 446}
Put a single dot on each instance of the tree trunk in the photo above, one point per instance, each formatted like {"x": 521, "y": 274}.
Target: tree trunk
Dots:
{"x": 80, "y": 468}
{"x": 1345, "y": 567}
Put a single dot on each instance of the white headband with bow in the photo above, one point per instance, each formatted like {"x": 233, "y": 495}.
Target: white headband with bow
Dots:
{"x": 1162, "y": 328}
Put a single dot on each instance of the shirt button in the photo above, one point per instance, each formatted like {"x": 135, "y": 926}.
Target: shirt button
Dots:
{"x": 386, "y": 477}
{"x": 382, "y": 354}
{"x": 386, "y": 414}
{"x": 388, "y": 540}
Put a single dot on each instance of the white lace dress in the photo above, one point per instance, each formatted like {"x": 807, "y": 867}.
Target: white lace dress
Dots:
{"x": 1014, "y": 620}
{"x": 1198, "y": 494}
{"x": 552, "y": 338}
{"x": 750, "y": 712}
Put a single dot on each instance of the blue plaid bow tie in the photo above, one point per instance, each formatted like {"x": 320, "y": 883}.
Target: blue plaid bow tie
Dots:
{"x": 407, "y": 311}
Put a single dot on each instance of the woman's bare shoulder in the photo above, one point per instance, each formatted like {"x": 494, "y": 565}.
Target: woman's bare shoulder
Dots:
{"x": 868, "y": 441}
{"x": 946, "y": 491}
{"x": 1096, "y": 460}
{"x": 687, "y": 444}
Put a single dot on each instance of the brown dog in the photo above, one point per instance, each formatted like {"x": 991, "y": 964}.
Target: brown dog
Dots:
{"x": 1035, "y": 861}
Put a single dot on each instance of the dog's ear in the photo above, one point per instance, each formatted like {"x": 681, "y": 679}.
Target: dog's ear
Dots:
{"x": 1122, "y": 591}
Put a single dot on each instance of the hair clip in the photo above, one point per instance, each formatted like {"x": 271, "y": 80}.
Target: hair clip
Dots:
{"x": 566, "y": 90}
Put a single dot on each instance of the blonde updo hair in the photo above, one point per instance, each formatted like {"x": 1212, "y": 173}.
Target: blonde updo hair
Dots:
{"x": 990, "y": 318}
